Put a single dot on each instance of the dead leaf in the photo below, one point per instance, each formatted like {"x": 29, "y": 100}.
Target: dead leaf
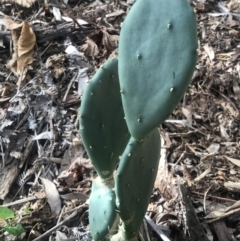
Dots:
{"x": 234, "y": 206}
{"x": 233, "y": 4}
{"x": 213, "y": 148}
{"x": 78, "y": 195}
{"x": 16, "y": 154}
{"x": 24, "y": 41}
{"x": 52, "y": 196}
{"x": 109, "y": 41}
{"x": 44, "y": 135}
{"x": 56, "y": 64}
{"x": 188, "y": 115}
{"x": 82, "y": 80}
{"x": 24, "y": 3}
{"x": 209, "y": 50}
{"x": 90, "y": 48}
{"x": 234, "y": 161}
{"x": 57, "y": 13}
{"x": 115, "y": 14}
{"x": 214, "y": 214}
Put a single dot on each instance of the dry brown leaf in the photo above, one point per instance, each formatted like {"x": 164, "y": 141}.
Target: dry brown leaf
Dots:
{"x": 24, "y": 40}
{"x": 24, "y": 3}
{"x": 90, "y": 48}
{"x": 234, "y": 161}
{"x": 55, "y": 63}
{"x": 52, "y": 196}
{"x": 109, "y": 41}
{"x": 209, "y": 50}
{"x": 233, "y": 4}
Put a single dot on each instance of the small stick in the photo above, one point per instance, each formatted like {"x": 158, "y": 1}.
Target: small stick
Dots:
{"x": 48, "y": 233}
{"x": 69, "y": 86}
{"x": 24, "y": 200}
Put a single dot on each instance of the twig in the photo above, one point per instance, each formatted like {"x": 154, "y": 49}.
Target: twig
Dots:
{"x": 3, "y": 154}
{"x": 61, "y": 214}
{"x": 48, "y": 233}
{"x": 69, "y": 86}
{"x": 24, "y": 200}
{"x": 216, "y": 197}
{"x": 157, "y": 229}
{"x": 226, "y": 98}
{"x": 75, "y": 209}
{"x": 234, "y": 211}
{"x": 204, "y": 198}
{"x": 20, "y": 81}
{"x": 146, "y": 229}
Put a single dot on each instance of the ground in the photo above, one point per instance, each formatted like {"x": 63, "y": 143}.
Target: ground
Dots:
{"x": 48, "y": 53}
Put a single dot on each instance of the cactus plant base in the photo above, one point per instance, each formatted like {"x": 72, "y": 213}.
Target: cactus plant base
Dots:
{"x": 120, "y": 237}
{"x": 102, "y": 214}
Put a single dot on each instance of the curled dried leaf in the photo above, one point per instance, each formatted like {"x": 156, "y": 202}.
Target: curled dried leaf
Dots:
{"x": 90, "y": 48}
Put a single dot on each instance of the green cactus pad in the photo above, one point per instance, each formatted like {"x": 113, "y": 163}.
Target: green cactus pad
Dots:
{"x": 134, "y": 181}
{"x": 102, "y": 209}
{"x": 157, "y": 57}
{"x": 102, "y": 125}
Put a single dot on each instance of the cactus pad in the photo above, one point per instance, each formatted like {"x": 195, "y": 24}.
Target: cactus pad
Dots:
{"x": 102, "y": 209}
{"x": 102, "y": 125}
{"x": 134, "y": 181}
{"x": 157, "y": 57}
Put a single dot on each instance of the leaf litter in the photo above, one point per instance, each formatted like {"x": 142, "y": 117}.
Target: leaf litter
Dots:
{"x": 45, "y": 174}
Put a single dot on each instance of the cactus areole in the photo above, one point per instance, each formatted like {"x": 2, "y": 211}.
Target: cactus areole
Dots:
{"x": 157, "y": 57}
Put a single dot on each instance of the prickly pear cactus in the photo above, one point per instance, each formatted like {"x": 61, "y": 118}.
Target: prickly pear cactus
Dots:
{"x": 157, "y": 57}
{"x": 134, "y": 181}
{"x": 102, "y": 213}
{"x": 102, "y": 125}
